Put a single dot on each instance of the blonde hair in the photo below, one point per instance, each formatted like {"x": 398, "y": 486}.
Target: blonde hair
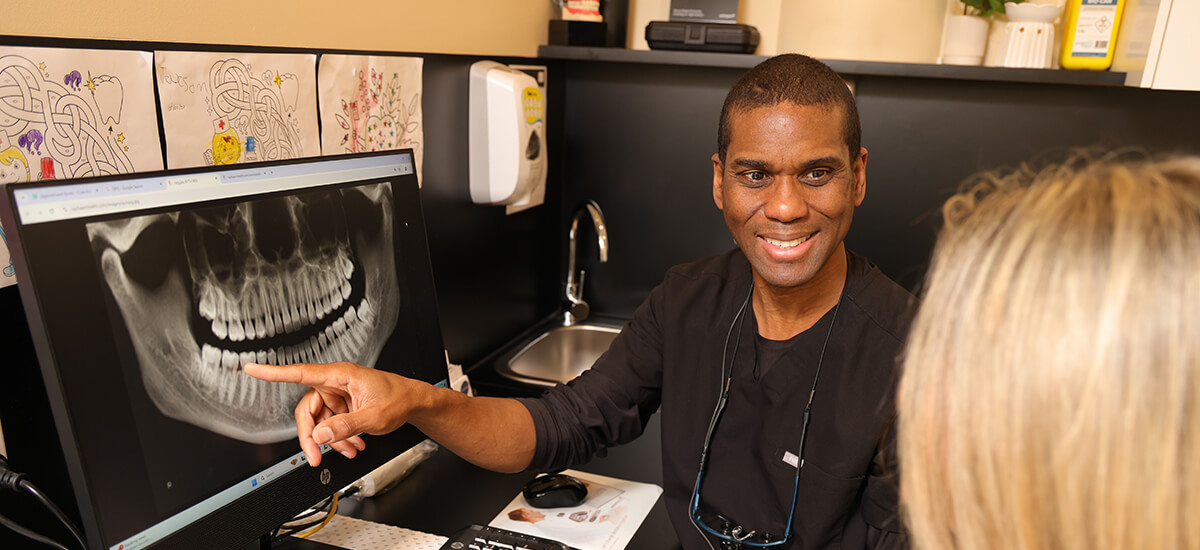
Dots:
{"x": 1051, "y": 388}
{"x": 8, "y": 156}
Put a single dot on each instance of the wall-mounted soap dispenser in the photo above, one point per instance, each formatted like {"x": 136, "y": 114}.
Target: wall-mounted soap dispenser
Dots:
{"x": 507, "y": 135}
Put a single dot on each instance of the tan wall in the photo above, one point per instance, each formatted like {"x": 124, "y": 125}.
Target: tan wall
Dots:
{"x": 906, "y": 31}
{"x": 480, "y": 27}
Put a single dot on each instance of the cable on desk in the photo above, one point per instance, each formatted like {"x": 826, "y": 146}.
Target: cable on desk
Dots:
{"x": 298, "y": 525}
{"x": 15, "y": 481}
{"x": 328, "y": 517}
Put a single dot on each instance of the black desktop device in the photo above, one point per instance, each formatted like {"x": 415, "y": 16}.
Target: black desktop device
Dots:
{"x": 700, "y": 36}
{"x": 146, "y": 293}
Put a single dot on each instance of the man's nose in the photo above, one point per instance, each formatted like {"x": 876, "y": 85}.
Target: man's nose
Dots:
{"x": 788, "y": 201}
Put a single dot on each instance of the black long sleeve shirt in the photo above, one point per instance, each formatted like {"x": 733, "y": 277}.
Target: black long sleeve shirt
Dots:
{"x": 669, "y": 355}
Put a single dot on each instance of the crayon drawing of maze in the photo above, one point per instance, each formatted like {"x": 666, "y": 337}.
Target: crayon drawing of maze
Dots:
{"x": 253, "y": 118}
{"x": 59, "y": 126}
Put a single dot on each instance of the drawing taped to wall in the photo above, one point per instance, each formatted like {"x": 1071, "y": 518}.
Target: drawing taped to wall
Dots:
{"x": 8, "y": 276}
{"x": 223, "y": 108}
{"x": 71, "y": 113}
{"x": 308, "y": 278}
{"x": 371, "y": 103}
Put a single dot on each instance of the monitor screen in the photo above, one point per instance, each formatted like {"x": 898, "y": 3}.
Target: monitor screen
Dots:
{"x": 146, "y": 294}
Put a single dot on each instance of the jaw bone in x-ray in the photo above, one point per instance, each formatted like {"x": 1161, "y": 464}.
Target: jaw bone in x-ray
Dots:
{"x": 310, "y": 279}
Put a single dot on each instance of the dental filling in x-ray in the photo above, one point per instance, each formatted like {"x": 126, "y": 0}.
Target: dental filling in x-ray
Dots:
{"x": 308, "y": 278}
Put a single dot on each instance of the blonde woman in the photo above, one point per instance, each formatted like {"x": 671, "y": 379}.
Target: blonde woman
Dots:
{"x": 1051, "y": 387}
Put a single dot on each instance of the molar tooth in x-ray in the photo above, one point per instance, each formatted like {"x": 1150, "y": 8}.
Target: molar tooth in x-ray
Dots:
{"x": 228, "y": 360}
{"x": 364, "y": 311}
{"x": 245, "y": 293}
{"x": 236, "y": 332}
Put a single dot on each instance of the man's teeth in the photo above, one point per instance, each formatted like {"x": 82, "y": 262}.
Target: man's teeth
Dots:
{"x": 786, "y": 244}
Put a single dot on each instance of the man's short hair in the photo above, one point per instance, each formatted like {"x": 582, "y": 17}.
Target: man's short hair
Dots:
{"x": 797, "y": 79}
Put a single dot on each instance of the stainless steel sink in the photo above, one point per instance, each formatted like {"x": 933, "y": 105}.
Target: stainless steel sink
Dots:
{"x": 559, "y": 354}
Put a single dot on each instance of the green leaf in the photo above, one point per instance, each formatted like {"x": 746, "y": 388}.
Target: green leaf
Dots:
{"x": 980, "y": 6}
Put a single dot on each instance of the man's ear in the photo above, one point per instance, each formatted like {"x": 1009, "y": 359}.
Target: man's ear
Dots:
{"x": 860, "y": 177}
{"x": 718, "y": 174}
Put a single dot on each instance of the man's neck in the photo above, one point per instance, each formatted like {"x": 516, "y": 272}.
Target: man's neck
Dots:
{"x": 782, "y": 313}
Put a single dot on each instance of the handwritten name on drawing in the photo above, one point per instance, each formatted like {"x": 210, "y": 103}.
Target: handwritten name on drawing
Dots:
{"x": 170, "y": 78}
{"x": 171, "y": 107}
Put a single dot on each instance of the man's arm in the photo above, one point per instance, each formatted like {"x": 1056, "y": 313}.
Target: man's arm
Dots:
{"x": 345, "y": 399}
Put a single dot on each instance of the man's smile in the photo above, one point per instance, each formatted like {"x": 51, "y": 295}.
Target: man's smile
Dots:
{"x": 791, "y": 243}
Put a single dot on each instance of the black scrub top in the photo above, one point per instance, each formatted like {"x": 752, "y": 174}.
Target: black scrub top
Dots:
{"x": 669, "y": 357}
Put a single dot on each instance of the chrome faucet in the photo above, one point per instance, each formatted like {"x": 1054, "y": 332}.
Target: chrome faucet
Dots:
{"x": 577, "y": 309}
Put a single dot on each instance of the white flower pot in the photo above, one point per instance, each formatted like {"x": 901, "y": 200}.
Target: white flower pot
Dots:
{"x": 964, "y": 40}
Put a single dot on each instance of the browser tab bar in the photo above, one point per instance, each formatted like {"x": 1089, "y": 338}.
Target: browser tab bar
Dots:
{"x": 191, "y": 182}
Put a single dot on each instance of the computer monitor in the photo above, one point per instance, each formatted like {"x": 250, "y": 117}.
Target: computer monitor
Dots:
{"x": 145, "y": 293}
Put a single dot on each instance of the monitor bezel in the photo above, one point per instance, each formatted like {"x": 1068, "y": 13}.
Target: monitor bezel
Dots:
{"x": 257, "y": 513}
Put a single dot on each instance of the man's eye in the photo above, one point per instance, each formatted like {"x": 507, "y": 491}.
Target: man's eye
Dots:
{"x": 818, "y": 176}
{"x": 755, "y": 176}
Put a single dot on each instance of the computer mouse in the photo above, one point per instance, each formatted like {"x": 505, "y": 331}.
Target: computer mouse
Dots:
{"x": 554, "y": 491}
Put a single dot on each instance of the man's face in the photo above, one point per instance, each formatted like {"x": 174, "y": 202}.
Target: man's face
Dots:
{"x": 788, "y": 189}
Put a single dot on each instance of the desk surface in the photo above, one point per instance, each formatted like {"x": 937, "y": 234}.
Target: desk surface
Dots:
{"x": 446, "y": 493}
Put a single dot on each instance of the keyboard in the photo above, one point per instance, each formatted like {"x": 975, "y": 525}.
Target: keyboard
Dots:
{"x": 478, "y": 537}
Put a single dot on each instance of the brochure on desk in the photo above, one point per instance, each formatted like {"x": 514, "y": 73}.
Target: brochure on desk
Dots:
{"x": 607, "y": 520}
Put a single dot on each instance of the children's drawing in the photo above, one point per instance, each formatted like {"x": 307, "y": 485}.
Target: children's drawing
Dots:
{"x": 68, "y": 113}
{"x": 9, "y": 275}
{"x": 371, "y": 103}
{"x": 221, "y": 108}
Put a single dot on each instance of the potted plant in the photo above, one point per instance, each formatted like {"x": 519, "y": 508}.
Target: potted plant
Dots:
{"x": 964, "y": 39}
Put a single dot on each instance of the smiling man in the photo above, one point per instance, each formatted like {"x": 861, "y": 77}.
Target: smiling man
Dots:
{"x": 772, "y": 364}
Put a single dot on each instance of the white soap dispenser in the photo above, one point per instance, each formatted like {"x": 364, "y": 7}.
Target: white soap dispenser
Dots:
{"x": 507, "y": 134}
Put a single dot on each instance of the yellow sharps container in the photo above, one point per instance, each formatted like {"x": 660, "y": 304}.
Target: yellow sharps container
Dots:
{"x": 1090, "y": 33}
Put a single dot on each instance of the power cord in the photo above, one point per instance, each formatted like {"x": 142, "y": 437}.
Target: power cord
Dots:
{"x": 318, "y": 516}
{"x": 15, "y": 481}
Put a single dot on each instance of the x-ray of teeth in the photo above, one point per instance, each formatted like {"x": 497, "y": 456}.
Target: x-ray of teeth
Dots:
{"x": 309, "y": 278}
